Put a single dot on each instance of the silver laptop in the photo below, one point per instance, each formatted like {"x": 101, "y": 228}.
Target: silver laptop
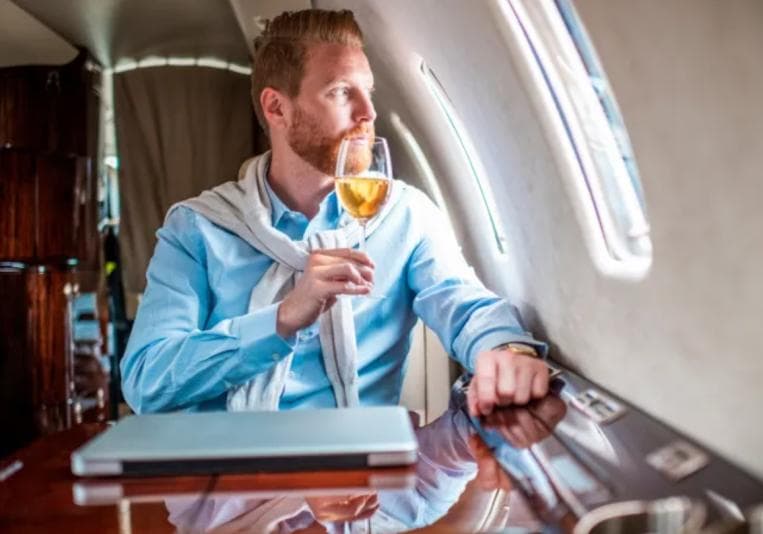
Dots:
{"x": 110, "y": 490}
{"x": 246, "y": 442}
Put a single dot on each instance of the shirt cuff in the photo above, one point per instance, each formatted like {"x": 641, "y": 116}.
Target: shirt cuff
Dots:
{"x": 259, "y": 338}
{"x": 491, "y": 340}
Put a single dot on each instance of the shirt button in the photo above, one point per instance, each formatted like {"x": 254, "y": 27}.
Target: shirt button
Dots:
{"x": 275, "y": 356}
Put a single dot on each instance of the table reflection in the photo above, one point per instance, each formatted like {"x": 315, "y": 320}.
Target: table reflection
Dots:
{"x": 446, "y": 464}
{"x": 472, "y": 475}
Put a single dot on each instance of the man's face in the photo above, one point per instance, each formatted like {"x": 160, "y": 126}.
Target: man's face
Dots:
{"x": 334, "y": 102}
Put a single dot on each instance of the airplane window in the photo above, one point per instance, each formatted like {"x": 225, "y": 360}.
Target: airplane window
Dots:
{"x": 592, "y": 125}
{"x": 469, "y": 152}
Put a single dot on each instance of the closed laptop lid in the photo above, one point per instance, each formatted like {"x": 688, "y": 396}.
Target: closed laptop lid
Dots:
{"x": 215, "y": 442}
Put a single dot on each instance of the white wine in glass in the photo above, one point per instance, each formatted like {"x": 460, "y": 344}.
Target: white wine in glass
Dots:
{"x": 362, "y": 196}
{"x": 363, "y": 178}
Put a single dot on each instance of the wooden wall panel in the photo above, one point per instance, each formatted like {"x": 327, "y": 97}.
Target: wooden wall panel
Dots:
{"x": 48, "y": 223}
{"x": 48, "y": 209}
{"x": 35, "y": 352}
{"x": 17, "y": 417}
{"x": 51, "y": 109}
{"x": 17, "y": 205}
{"x": 59, "y": 180}
{"x": 23, "y": 108}
{"x": 88, "y": 242}
{"x": 49, "y": 345}
{"x": 48, "y": 149}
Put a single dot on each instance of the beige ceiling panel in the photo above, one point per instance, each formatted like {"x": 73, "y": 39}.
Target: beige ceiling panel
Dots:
{"x": 24, "y": 40}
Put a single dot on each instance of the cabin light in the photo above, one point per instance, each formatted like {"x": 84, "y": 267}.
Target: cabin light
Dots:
{"x": 123, "y": 66}
{"x": 181, "y": 61}
{"x": 212, "y": 63}
{"x": 152, "y": 61}
{"x": 239, "y": 69}
{"x": 156, "y": 61}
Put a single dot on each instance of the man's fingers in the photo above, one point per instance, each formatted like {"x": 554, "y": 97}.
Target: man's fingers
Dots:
{"x": 501, "y": 380}
{"x": 524, "y": 377}
{"x": 329, "y": 289}
{"x": 506, "y": 382}
{"x": 318, "y": 260}
{"x": 345, "y": 272}
{"x": 347, "y": 253}
{"x": 484, "y": 379}
{"x": 540, "y": 384}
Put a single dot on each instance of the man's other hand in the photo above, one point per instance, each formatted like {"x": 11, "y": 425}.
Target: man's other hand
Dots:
{"x": 502, "y": 377}
{"x": 329, "y": 273}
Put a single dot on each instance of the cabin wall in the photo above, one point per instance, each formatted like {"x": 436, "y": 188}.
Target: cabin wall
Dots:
{"x": 681, "y": 342}
{"x": 678, "y": 343}
{"x": 395, "y": 46}
{"x": 688, "y": 78}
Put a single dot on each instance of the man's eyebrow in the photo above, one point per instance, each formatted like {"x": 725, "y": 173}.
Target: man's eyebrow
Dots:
{"x": 332, "y": 80}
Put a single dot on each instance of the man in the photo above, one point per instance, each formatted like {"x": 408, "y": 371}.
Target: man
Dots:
{"x": 224, "y": 320}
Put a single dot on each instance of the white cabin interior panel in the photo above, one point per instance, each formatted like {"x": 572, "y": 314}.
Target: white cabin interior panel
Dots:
{"x": 679, "y": 343}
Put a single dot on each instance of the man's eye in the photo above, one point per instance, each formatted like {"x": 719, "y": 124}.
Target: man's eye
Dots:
{"x": 342, "y": 92}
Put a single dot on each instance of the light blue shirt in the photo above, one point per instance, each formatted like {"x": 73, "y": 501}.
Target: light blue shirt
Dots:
{"x": 193, "y": 338}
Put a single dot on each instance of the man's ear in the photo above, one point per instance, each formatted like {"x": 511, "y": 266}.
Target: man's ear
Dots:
{"x": 276, "y": 108}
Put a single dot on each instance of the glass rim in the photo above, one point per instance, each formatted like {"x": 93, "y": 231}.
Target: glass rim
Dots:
{"x": 342, "y": 155}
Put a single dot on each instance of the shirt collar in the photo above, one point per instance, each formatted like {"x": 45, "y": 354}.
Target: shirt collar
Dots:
{"x": 278, "y": 208}
{"x": 330, "y": 207}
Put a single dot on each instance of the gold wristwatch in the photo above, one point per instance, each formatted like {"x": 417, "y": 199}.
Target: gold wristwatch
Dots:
{"x": 519, "y": 348}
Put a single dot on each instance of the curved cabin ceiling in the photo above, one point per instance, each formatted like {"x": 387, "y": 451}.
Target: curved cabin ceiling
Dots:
{"x": 24, "y": 40}
{"x": 251, "y": 14}
{"x": 116, "y": 30}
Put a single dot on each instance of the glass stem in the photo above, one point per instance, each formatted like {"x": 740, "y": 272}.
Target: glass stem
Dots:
{"x": 362, "y": 246}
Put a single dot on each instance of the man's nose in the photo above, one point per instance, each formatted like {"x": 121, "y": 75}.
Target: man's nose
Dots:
{"x": 364, "y": 109}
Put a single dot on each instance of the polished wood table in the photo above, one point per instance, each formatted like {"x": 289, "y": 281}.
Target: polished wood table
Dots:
{"x": 39, "y": 494}
{"x": 578, "y": 474}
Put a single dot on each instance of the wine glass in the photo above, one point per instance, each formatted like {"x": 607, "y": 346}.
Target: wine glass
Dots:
{"x": 363, "y": 178}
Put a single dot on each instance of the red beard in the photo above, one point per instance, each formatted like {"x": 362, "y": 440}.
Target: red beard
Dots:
{"x": 321, "y": 151}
